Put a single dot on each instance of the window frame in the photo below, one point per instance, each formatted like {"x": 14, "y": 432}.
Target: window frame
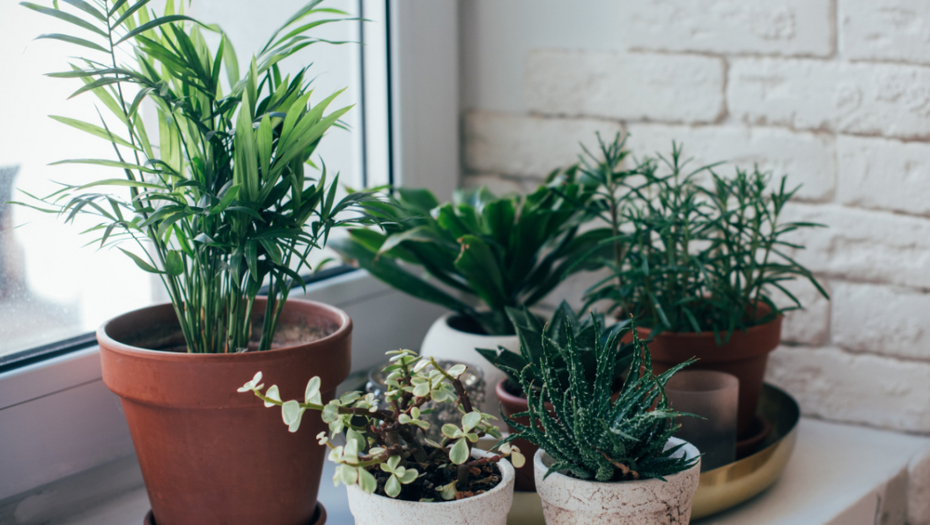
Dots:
{"x": 56, "y": 416}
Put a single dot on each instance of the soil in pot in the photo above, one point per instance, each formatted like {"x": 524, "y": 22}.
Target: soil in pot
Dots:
{"x": 209, "y": 454}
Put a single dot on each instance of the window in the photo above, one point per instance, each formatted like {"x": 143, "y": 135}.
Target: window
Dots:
{"x": 54, "y": 288}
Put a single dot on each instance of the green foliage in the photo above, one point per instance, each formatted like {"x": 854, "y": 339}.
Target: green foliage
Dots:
{"x": 589, "y": 435}
{"x": 588, "y": 332}
{"x": 502, "y": 252}
{"x": 387, "y": 450}
{"x": 690, "y": 250}
{"x": 224, "y": 203}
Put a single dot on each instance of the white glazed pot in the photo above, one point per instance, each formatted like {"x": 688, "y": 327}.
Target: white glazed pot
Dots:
{"x": 444, "y": 342}
{"x": 571, "y": 501}
{"x": 490, "y": 508}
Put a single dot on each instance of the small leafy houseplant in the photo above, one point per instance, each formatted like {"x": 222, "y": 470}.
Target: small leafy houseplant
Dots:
{"x": 498, "y": 252}
{"x": 696, "y": 256}
{"x": 586, "y": 432}
{"x": 386, "y": 451}
{"x": 587, "y": 436}
{"x": 587, "y": 331}
{"x": 225, "y": 197}
{"x": 687, "y": 256}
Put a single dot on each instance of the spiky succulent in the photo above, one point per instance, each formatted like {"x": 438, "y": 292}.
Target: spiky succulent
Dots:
{"x": 588, "y": 434}
{"x": 587, "y": 329}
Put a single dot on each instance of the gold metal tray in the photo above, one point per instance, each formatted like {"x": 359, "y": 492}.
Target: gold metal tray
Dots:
{"x": 732, "y": 484}
{"x": 726, "y": 486}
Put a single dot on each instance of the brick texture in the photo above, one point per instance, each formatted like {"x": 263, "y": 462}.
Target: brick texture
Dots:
{"x": 528, "y": 146}
{"x": 885, "y": 99}
{"x": 807, "y": 158}
{"x": 867, "y": 389}
{"x": 885, "y": 30}
{"x": 624, "y": 85}
{"x": 884, "y": 174}
{"x": 881, "y": 319}
{"x": 833, "y": 93}
{"x": 781, "y": 27}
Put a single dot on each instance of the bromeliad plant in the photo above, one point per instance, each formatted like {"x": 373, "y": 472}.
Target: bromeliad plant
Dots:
{"x": 588, "y": 332}
{"x": 227, "y": 201}
{"x": 502, "y": 252}
{"x": 690, "y": 250}
{"x": 386, "y": 450}
{"x": 589, "y": 435}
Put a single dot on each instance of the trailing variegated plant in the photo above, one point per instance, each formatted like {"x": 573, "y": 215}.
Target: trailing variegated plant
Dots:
{"x": 590, "y": 435}
{"x": 386, "y": 450}
{"x": 224, "y": 202}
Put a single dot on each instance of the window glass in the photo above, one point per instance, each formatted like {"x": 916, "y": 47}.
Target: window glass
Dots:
{"x": 51, "y": 285}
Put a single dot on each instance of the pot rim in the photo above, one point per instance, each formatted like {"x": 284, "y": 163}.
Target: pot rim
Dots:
{"x": 507, "y": 478}
{"x": 689, "y": 449}
{"x": 710, "y": 333}
{"x": 336, "y": 314}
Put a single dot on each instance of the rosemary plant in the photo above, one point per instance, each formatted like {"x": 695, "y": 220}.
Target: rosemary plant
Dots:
{"x": 690, "y": 250}
{"x": 220, "y": 206}
{"x": 386, "y": 450}
{"x": 589, "y": 435}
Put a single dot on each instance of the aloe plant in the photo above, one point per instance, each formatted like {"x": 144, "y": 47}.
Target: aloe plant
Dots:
{"x": 389, "y": 454}
{"x": 228, "y": 200}
{"x": 499, "y": 252}
{"x": 587, "y": 330}
{"x": 591, "y": 436}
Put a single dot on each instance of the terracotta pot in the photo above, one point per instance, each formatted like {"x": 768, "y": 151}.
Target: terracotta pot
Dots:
{"x": 745, "y": 355}
{"x": 489, "y": 508}
{"x": 571, "y": 501}
{"x": 446, "y": 340}
{"x": 511, "y": 404}
{"x": 209, "y": 454}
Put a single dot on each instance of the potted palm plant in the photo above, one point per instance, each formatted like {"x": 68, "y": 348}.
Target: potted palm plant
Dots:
{"x": 497, "y": 252}
{"x": 605, "y": 458}
{"x": 586, "y": 331}
{"x": 227, "y": 202}
{"x": 695, "y": 256}
{"x": 394, "y": 473}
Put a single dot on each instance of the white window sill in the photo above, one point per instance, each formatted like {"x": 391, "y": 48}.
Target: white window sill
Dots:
{"x": 838, "y": 475}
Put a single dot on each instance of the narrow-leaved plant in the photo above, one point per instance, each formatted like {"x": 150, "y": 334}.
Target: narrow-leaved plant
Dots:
{"x": 225, "y": 200}
{"x": 386, "y": 450}
{"x": 590, "y": 435}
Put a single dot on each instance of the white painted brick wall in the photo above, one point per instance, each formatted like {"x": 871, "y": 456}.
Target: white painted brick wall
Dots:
{"x": 886, "y": 99}
{"x": 624, "y": 85}
{"x": 809, "y": 159}
{"x": 835, "y": 93}
{"x": 835, "y": 384}
{"x": 885, "y": 30}
{"x": 881, "y": 319}
{"x": 528, "y": 146}
{"x": 779, "y": 27}
{"x": 884, "y": 174}
{"x": 863, "y": 245}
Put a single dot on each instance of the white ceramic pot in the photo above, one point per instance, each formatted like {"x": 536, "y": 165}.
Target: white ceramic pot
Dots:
{"x": 490, "y": 508}
{"x": 444, "y": 342}
{"x": 571, "y": 501}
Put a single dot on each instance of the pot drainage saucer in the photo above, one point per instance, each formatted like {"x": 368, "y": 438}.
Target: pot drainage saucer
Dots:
{"x": 319, "y": 517}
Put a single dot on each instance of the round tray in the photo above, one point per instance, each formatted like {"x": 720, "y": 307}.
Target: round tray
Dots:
{"x": 732, "y": 484}
{"x": 319, "y": 517}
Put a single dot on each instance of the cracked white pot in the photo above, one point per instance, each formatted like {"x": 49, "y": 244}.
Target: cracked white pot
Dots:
{"x": 572, "y": 501}
{"x": 490, "y": 508}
